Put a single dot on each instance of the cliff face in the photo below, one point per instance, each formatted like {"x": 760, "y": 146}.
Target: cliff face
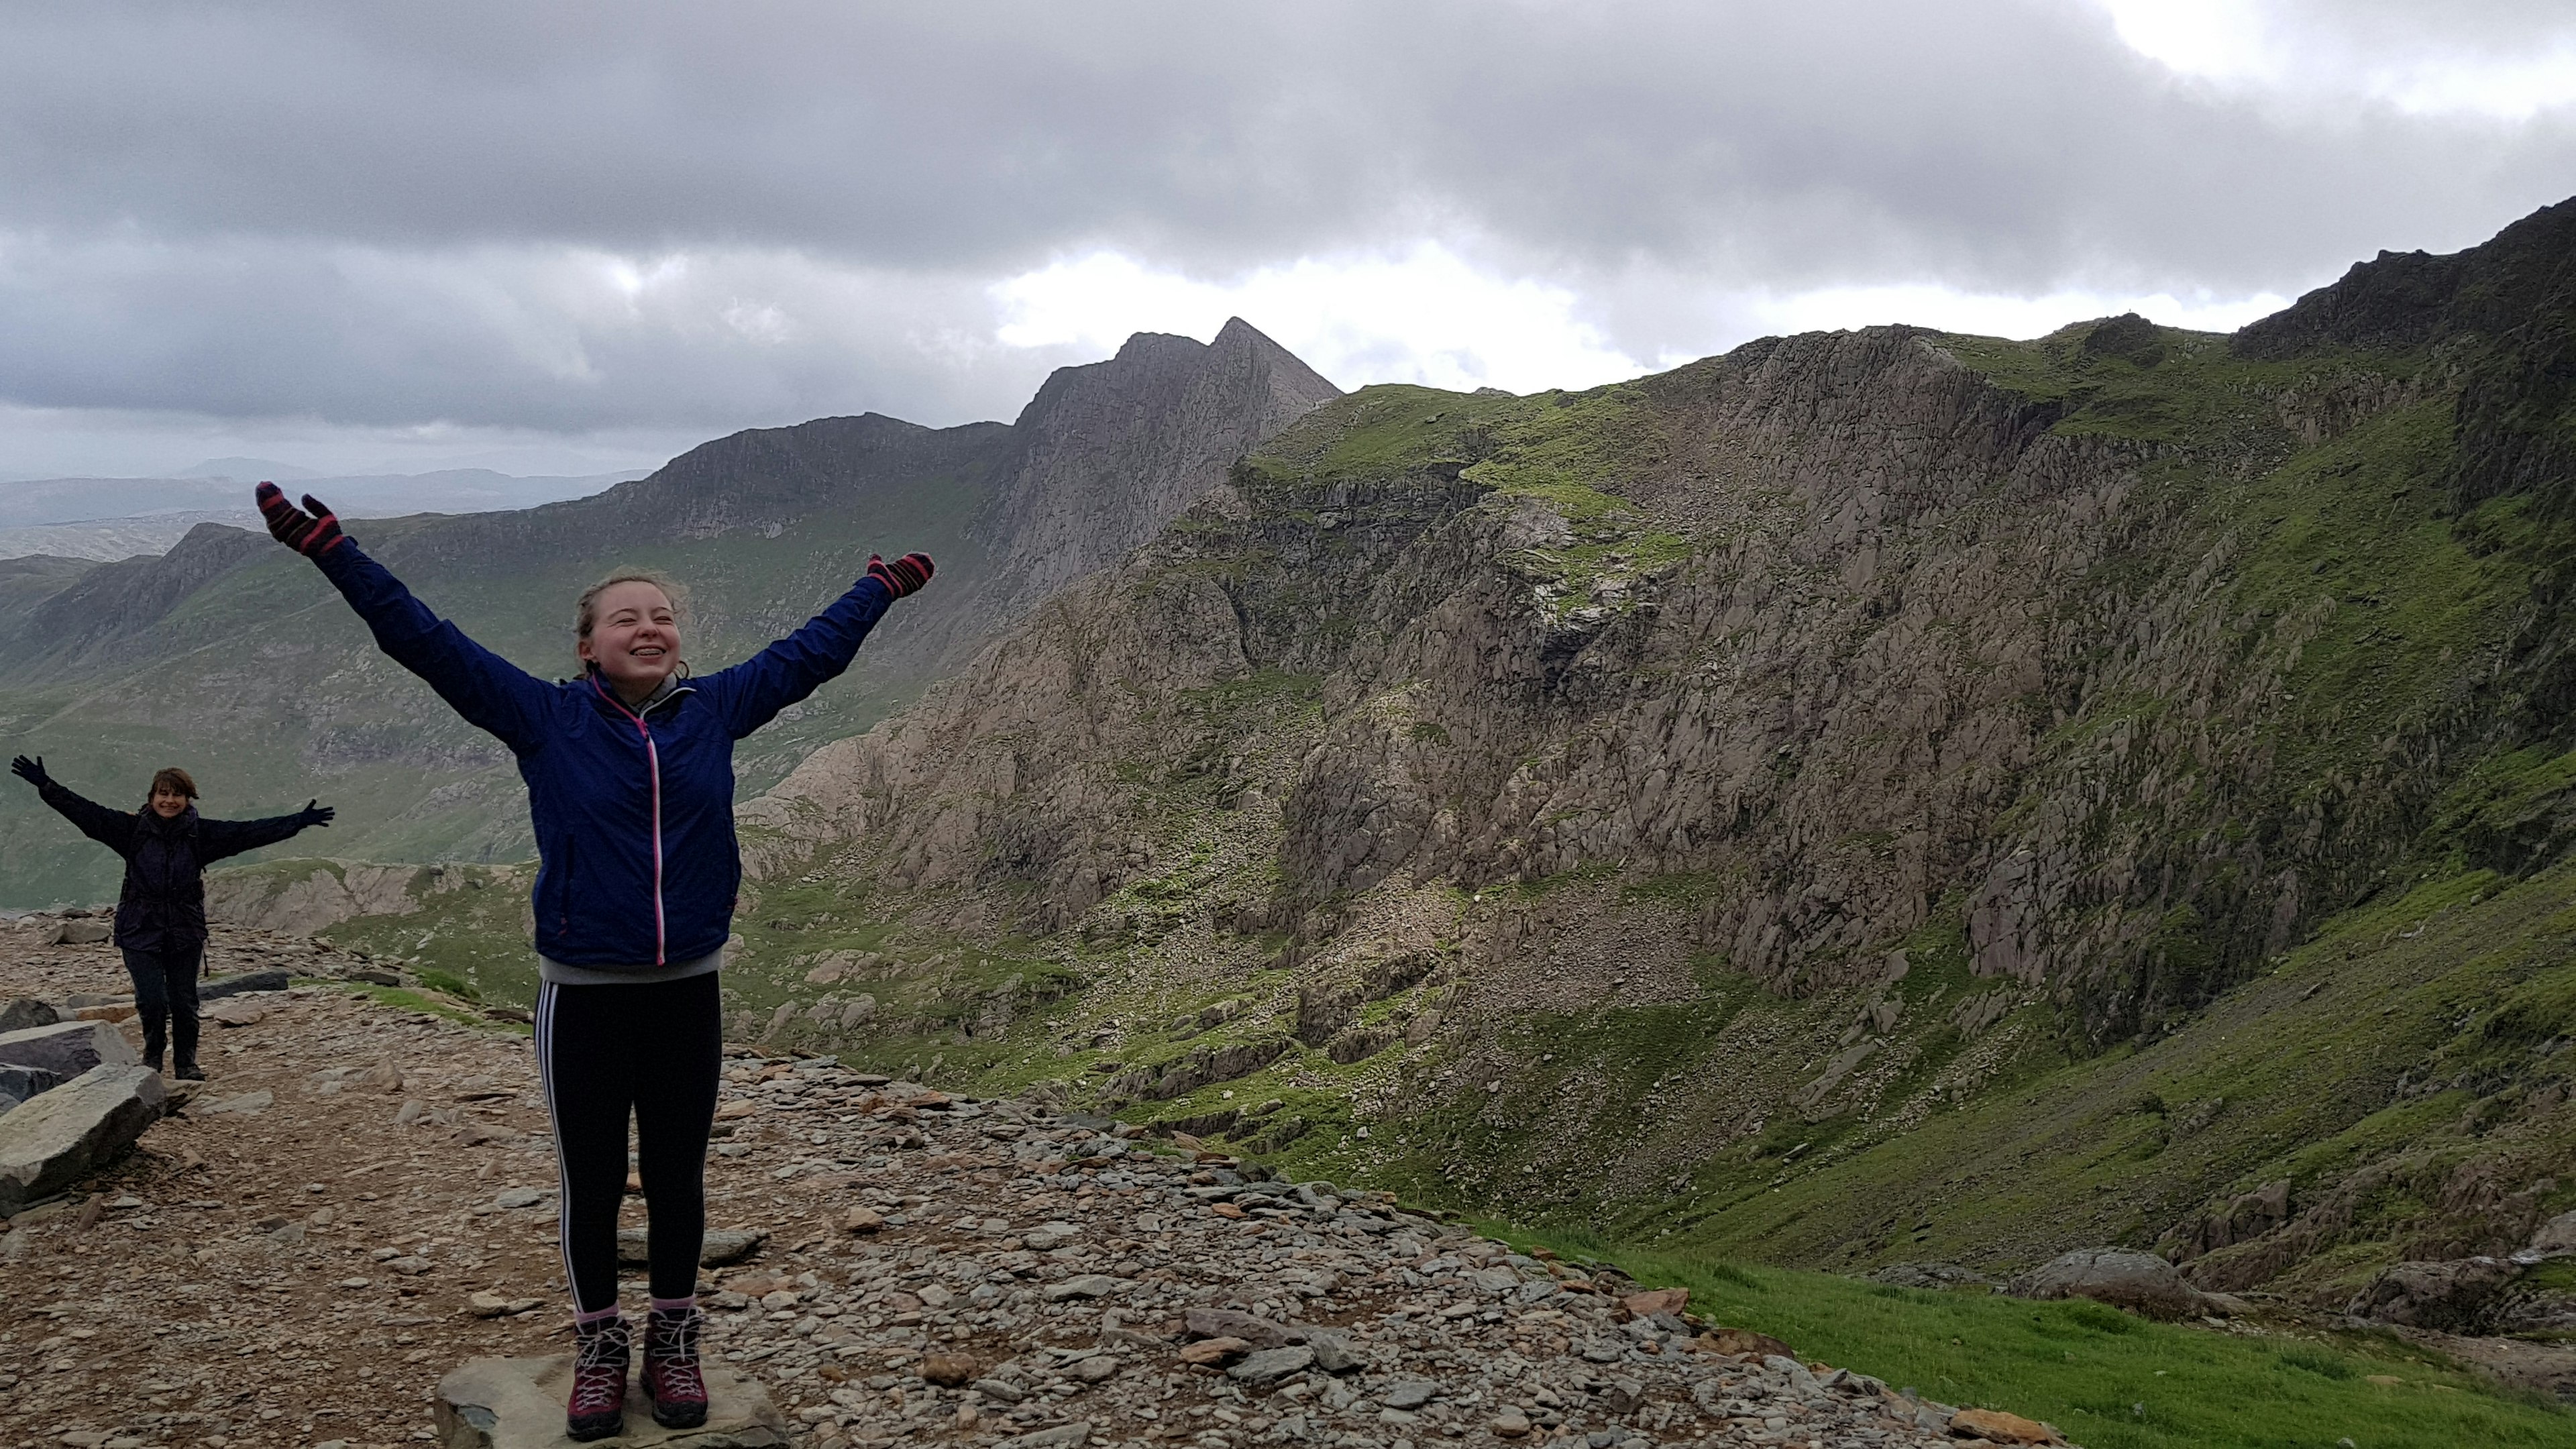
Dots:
{"x": 233, "y": 656}
{"x": 1786, "y": 749}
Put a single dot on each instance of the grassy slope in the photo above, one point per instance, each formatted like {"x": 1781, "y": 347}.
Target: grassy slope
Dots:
{"x": 2107, "y": 1380}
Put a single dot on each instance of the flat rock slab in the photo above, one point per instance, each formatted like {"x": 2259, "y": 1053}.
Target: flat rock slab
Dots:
{"x": 247, "y": 981}
{"x": 67, "y": 1048}
{"x": 518, "y": 1403}
{"x": 720, "y": 1247}
{"x": 62, "y": 1136}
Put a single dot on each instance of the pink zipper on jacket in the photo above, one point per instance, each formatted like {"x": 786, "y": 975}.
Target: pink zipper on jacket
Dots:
{"x": 653, "y": 766}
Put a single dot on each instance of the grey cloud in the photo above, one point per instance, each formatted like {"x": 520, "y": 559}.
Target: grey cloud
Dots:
{"x": 494, "y": 336}
{"x": 363, "y": 213}
{"x": 2006, "y": 133}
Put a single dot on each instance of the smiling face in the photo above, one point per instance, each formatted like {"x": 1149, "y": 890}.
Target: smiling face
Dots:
{"x": 634, "y": 638}
{"x": 168, "y": 803}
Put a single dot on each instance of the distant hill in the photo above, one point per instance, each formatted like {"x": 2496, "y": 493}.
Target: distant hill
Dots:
{"x": 233, "y": 657}
{"x": 107, "y": 518}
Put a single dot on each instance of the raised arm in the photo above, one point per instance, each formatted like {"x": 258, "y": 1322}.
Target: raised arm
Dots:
{"x": 489, "y": 691}
{"x": 111, "y": 828}
{"x": 217, "y": 839}
{"x": 751, "y": 693}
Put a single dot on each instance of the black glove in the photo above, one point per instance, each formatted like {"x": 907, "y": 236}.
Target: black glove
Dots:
{"x": 31, "y": 771}
{"x": 904, "y": 576}
{"x": 314, "y": 813}
{"x": 311, "y": 534}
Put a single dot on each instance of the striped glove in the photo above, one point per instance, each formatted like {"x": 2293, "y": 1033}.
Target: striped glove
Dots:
{"x": 311, "y": 534}
{"x": 904, "y": 576}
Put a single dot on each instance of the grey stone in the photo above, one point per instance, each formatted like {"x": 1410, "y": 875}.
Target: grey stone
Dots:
{"x": 55, "y": 1140}
{"x": 2455, "y": 1296}
{"x": 27, "y": 1011}
{"x": 1062, "y": 1436}
{"x": 17, "y": 1084}
{"x": 248, "y": 981}
{"x": 1408, "y": 1393}
{"x": 2122, "y": 1277}
{"x": 67, "y": 1048}
{"x": 1095, "y": 1369}
{"x": 80, "y": 933}
{"x": 518, "y": 1197}
{"x": 721, "y": 1246}
{"x": 1271, "y": 1364}
{"x": 1233, "y": 1323}
{"x": 1001, "y": 1391}
{"x": 517, "y": 1403}
{"x": 1082, "y": 1285}
{"x": 248, "y": 1104}
{"x": 1332, "y": 1348}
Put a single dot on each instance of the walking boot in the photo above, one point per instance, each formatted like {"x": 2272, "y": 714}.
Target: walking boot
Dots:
{"x": 673, "y": 1378}
{"x": 597, "y": 1407}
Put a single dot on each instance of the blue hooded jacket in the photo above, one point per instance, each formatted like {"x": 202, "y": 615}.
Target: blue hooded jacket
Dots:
{"x": 638, "y": 864}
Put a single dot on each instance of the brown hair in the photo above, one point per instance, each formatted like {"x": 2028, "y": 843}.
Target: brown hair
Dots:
{"x": 585, "y": 610}
{"x": 175, "y": 780}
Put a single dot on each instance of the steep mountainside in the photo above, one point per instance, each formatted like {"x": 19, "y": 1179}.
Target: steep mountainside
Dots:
{"x": 233, "y": 657}
{"x": 1643, "y": 800}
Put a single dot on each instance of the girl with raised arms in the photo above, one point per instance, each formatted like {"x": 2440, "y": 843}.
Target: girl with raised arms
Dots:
{"x": 629, "y": 770}
{"x": 161, "y": 908}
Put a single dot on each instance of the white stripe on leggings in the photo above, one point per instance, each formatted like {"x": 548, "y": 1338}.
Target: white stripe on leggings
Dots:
{"x": 545, "y": 1041}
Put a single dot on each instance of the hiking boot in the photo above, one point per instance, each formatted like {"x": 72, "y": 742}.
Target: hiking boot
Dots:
{"x": 597, "y": 1407}
{"x": 189, "y": 1072}
{"x": 673, "y": 1378}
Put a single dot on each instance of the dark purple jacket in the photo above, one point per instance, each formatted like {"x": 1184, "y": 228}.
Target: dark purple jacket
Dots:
{"x": 163, "y": 904}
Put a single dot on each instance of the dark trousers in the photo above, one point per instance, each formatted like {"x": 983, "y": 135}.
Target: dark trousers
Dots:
{"x": 165, "y": 991}
{"x": 655, "y": 1052}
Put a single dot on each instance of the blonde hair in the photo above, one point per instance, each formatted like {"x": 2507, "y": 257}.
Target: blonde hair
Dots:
{"x": 585, "y": 610}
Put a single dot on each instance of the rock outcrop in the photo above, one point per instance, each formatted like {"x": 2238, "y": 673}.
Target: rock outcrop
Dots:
{"x": 67, "y": 1049}
{"x": 62, "y": 1136}
{"x": 2141, "y": 1283}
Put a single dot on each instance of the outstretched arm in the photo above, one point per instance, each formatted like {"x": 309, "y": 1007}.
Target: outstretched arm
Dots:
{"x": 489, "y": 691}
{"x": 111, "y": 828}
{"x": 751, "y": 693}
{"x": 217, "y": 839}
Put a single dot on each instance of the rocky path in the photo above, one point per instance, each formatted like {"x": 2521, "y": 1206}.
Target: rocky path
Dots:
{"x": 363, "y": 1197}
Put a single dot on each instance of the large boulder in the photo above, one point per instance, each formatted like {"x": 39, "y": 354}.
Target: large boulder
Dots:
{"x": 2458, "y": 1296}
{"x": 517, "y": 1403}
{"x": 67, "y": 1048}
{"x": 64, "y": 1135}
{"x": 2142, "y": 1283}
{"x": 2556, "y": 1236}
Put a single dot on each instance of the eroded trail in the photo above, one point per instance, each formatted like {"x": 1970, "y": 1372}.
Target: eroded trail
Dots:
{"x": 363, "y": 1195}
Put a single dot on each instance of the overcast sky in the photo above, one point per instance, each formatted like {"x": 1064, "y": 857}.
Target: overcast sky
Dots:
{"x": 564, "y": 236}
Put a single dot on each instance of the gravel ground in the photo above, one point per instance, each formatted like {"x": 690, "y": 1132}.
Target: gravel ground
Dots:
{"x": 363, "y": 1197}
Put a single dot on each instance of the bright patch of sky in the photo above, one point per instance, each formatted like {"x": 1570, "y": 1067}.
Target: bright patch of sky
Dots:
{"x": 2423, "y": 59}
{"x": 1427, "y": 316}
{"x": 1423, "y": 316}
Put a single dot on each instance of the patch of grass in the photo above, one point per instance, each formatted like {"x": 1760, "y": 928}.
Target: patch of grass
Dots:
{"x": 2106, "y": 1379}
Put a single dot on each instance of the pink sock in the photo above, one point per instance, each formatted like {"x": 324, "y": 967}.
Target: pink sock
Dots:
{"x": 675, "y": 1305}
{"x": 585, "y": 1320}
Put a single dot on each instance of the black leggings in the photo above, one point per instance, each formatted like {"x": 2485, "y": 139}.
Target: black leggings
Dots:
{"x": 165, "y": 990}
{"x": 655, "y": 1050}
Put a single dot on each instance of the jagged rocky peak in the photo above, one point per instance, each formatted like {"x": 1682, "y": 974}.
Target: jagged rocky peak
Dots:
{"x": 1113, "y": 451}
{"x": 2400, "y": 301}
